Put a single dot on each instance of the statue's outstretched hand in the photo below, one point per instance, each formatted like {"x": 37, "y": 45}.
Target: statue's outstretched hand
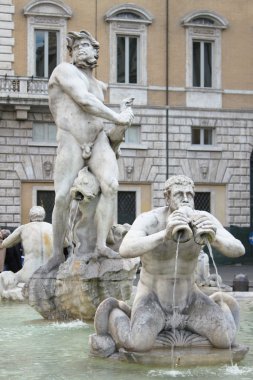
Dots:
{"x": 126, "y": 114}
{"x": 125, "y": 117}
{"x": 203, "y": 228}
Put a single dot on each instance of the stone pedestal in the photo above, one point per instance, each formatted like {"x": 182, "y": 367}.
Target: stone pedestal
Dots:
{"x": 191, "y": 350}
{"x": 184, "y": 356}
{"x": 75, "y": 290}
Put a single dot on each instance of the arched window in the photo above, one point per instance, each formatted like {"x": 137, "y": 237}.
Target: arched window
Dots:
{"x": 128, "y": 50}
{"x": 46, "y": 31}
{"x": 203, "y": 58}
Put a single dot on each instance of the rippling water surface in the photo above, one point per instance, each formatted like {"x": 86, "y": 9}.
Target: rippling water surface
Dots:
{"x": 33, "y": 349}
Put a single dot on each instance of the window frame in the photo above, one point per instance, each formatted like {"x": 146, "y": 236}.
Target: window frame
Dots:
{"x": 210, "y": 199}
{"x": 202, "y": 63}
{"x": 127, "y": 56}
{"x": 129, "y": 188}
{"x": 202, "y": 137}
{"x": 138, "y": 130}
{"x": 46, "y": 50}
{"x": 46, "y": 15}
{"x": 44, "y": 125}
{"x": 136, "y": 27}
{"x": 206, "y": 32}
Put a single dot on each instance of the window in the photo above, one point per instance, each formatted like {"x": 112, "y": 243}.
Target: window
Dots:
{"x": 133, "y": 135}
{"x": 202, "y": 136}
{"x": 127, "y": 59}
{"x": 128, "y": 25}
{"x": 126, "y": 207}
{"x": 203, "y": 58}
{"x": 212, "y": 198}
{"x": 44, "y": 133}
{"x": 46, "y": 52}
{"x": 202, "y": 64}
{"x": 45, "y": 198}
{"x": 202, "y": 201}
{"x": 46, "y": 32}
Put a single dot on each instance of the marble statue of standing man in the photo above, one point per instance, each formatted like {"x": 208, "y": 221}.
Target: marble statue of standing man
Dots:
{"x": 76, "y": 102}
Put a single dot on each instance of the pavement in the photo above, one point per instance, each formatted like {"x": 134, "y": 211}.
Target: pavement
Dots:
{"x": 228, "y": 272}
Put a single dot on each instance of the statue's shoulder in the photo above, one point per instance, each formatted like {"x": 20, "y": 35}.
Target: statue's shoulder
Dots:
{"x": 153, "y": 216}
{"x": 66, "y": 67}
{"x": 103, "y": 85}
{"x": 63, "y": 68}
{"x": 159, "y": 212}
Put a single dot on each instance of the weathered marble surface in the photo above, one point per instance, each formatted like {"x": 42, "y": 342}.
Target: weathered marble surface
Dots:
{"x": 36, "y": 238}
{"x": 86, "y": 185}
{"x": 76, "y": 101}
{"x": 208, "y": 283}
{"x": 76, "y": 289}
{"x": 184, "y": 357}
{"x": 168, "y": 305}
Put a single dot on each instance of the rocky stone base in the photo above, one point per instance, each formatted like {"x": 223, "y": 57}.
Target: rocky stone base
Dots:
{"x": 75, "y": 290}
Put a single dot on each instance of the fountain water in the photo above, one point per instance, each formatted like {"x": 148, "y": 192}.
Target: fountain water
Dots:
{"x": 33, "y": 348}
{"x": 221, "y": 294}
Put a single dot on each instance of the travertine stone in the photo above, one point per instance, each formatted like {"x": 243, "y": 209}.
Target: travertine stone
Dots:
{"x": 169, "y": 310}
{"x": 78, "y": 287}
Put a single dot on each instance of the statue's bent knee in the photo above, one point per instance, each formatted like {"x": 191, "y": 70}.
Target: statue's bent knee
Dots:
{"x": 110, "y": 189}
{"x": 61, "y": 201}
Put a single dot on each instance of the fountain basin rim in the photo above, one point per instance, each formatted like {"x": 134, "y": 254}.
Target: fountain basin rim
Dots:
{"x": 183, "y": 356}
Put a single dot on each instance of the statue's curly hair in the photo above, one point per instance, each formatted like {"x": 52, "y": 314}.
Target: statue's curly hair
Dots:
{"x": 73, "y": 36}
{"x": 176, "y": 180}
{"x": 37, "y": 214}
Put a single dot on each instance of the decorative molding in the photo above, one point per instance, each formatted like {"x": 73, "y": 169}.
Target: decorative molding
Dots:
{"x": 49, "y": 14}
{"x": 47, "y": 8}
{"x": 47, "y": 20}
{"x": 34, "y": 168}
{"x": 143, "y": 15}
{"x": 216, "y": 171}
{"x": 219, "y": 21}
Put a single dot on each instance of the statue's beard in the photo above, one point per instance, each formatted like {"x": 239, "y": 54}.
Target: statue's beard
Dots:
{"x": 90, "y": 63}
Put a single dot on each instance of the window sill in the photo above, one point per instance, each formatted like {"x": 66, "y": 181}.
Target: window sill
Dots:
{"x": 128, "y": 85}
{"x": 122, "y": 91}
{"x": 204, "y": 89}
{"x": 42, "y": 143}
{"x": 133, "y": 146}
{"x": 209, "y": 148}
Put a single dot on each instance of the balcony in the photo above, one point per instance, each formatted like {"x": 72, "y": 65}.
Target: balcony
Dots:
{"x": 23, "y": 90}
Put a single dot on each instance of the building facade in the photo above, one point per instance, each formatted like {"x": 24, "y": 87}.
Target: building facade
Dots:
{"x": 188, "y": 65}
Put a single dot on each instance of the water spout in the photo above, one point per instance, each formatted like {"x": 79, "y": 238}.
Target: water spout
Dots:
{"x": 221, "y": 294}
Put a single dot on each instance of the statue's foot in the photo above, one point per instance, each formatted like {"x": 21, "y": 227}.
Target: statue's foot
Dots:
{"x": 52, "y": 264}
{"x": 107, "y": 252}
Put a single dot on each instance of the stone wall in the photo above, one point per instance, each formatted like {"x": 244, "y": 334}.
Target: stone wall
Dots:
{"x": 227, "y": 162}
{"x": 6, "y": 37}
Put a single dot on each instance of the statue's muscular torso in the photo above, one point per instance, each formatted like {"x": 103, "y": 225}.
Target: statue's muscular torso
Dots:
{"x": 68, "y": 106}
{"x": 158, "y": 265}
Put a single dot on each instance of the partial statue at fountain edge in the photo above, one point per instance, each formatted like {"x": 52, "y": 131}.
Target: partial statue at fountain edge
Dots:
{"x": 169, "y": 310}
{"x": 37, "y": 241}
